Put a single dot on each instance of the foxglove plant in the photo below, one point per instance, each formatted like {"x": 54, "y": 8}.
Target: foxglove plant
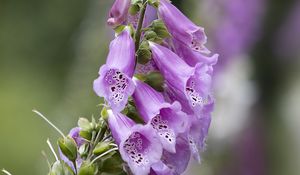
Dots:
{"x": 156, "y": 86}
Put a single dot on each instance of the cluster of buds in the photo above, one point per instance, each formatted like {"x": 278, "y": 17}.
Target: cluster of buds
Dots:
{"x": 156, "y": 85}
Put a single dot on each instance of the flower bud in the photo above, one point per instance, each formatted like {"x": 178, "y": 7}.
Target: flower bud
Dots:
{"x": 101, "y": 147}
{"x": 68, "y": 147}
{"x": 118, "y": 13}
{"x": 59, "y": 168}
{"x": 87, "y": 169}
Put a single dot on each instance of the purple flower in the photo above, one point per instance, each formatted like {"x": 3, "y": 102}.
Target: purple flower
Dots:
{"x": 192, "y": 57}
{"x": 160, "y": 168}
{"x": 197, "y": 134}
{"x": 74, "y": 134}
{"x": 114, "y": 82}
{"x": 166, "y": 119}
{"x": 178, "y": 162}
{"x": 187, "y": 32}
{"x": 138, "y": 144}
{"x": 191, "y": 86}
{"x": 118, "y": 13}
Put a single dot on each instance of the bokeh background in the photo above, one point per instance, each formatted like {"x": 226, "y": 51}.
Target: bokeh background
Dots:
{"x": 50, "y": 52}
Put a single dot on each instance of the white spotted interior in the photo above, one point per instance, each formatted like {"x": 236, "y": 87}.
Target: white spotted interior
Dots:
{"x": 118, "y": 83}
{"x": 136, "y": 146}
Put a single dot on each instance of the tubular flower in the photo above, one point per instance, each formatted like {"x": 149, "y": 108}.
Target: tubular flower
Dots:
{"x": 138, "y": 144}
{"x": 187, "y": 32}
{"x": 166, "y": 119}
{"x": 192, "y": 57}
{"x": 114, "y": 82}
{"x": 118, "y": 13}
{"x": 191, "y": 86}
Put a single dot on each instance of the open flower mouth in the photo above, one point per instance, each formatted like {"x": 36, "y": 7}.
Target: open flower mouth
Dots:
{"x": 118, "y": 83}
{"x": 137, "y": 146}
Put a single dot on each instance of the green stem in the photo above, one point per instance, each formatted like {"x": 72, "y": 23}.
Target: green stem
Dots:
{"x": 138, "y": 32}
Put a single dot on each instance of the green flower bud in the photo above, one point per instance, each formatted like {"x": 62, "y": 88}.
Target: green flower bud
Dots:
{"x": 68, "y": 147}
{"x": 87, "y": 169}
{"x": 84, "y": 124}
{"x": 144, "y": 53}
{"x": 86, "y": 134}
{"x": 101, "y": 147}
{"x": 60, "y": 168}
{"x": 83, "y": 150}
{"x": 155, "y": 80}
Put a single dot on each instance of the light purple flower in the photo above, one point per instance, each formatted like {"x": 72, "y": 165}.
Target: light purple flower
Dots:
{"x": 178, "y": 162}
{"x": 160, "y": 169}
{"x": 138, "y": 144}
{"x": 198, "y": 133}
{"x": 114, "y": 82}
{"x": 118, "y": 13}
{"x": 191, "y": 86}
{"x": 166, "y": 119}
{"x": 192, "y": 57}
{"x": 74, "y": 134}
{"x": 181, "y": 28}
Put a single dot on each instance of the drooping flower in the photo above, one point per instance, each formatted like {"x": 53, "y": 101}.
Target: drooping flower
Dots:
{"x": 114, "y": 82}
{"x": 191, "y": 86}
{"x": 187, "y": 32}
{"x": 198, "y": 133}
{"x": 166, "y": 119}
{"x": 119, "y": 12}
{"x": 74, "y": 134}
{"x": 192, "y": 57}
{"x": 138, "y": 144}
{"x": 178, "y": 162}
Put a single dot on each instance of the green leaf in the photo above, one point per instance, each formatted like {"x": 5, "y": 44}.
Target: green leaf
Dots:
{"x": 101, "y": 147}
{"x": 68, "y": 147}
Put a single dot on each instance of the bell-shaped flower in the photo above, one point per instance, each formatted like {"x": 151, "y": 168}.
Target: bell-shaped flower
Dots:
{"x": 178, "y": 162}
{"x": 192, "y": 57}
{"x": 191, "y": 86}
{"x": 166, "y": 119}
{"x": 198, "y": 133}
{"x": 138, "y": 144}
{"x": 181, "y": 28}
{"x": 114, "y": 82}
{"x": 119, "y": 12}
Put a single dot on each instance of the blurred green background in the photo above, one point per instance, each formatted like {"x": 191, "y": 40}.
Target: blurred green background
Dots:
{"x": 50, "y": 53}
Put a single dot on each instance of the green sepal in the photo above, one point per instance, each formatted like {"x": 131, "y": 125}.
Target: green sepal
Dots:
{"x": 119, "y": 29}
{"x": 112, "y": 165}
{"x": 134, "y": 9}
{"x": 154, "y": 3}
{"x": 68, "y": 147}
{"x": 84, "y": 124}
{"x": 160, "y": 29}
{"x": 60, "y": 168}
{"x": 104, "y": 114}
{"x": 143, "y": 53}
{"x": 155, "y": 80}
{"x": 101, "y": 147}
{"x": 86, "y": 134}
{"x": 87, "y": 169}
{"x": 83, "y": 150}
